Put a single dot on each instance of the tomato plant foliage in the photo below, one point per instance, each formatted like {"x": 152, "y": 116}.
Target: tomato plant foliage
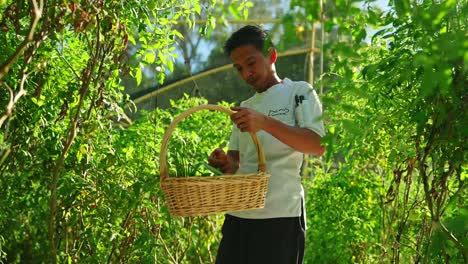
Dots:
{"x": 393, "y": 184}
{"x": 79, "y": 179}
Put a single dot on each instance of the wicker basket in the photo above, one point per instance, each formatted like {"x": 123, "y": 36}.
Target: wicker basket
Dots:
{"x": 195, "y": 195}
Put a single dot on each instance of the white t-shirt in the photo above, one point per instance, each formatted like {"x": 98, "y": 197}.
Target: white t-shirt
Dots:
{"x": 295, "y": 104}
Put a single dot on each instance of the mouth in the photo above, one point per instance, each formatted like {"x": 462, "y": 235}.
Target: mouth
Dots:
{"x": 251, "y": 81}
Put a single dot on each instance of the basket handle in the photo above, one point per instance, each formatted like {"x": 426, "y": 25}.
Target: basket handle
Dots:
{"x": 162, "y": 154}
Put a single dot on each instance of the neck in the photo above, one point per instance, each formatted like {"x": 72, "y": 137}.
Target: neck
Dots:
{"x": 273, "y": 80}
{"x": 274, "y": 76}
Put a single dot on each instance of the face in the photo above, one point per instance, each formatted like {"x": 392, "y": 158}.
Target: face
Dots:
{"x": 254, "y": 68}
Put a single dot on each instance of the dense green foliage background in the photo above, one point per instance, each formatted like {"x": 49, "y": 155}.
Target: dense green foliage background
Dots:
{"x": 397, "y": 136}
{"x": 79, "y": 179}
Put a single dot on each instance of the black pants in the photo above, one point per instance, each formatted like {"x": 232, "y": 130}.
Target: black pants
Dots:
{"x": 258, "y": 241}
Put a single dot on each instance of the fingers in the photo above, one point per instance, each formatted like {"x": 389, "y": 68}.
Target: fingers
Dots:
{"x": 241, "y": 117}
{"x": 239, "y": 112}
{"x": 226, "y": 168}
{"x": 217, "y": 152}
{"x": 217, "y": 163}
{"x": 247, "y": 120}
{"x": 229, "y": 168}
{"x": 218, "y": 158}
{"x": 237, "y": 108}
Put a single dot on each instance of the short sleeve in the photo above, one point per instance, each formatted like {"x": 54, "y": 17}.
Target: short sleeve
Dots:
{"x": 234, "y": 139}
{"x": 308, "y": 110}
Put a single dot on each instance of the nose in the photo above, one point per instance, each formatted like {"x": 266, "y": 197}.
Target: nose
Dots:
{"x": 248, "y": 75}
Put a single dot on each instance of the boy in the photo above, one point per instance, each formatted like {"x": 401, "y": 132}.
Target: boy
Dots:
{"x": 286, "y": 117}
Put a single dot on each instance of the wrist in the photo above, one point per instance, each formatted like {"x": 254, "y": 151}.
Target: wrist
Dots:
{"x": 268, "y": 123}
{"x": 265, "y": 122}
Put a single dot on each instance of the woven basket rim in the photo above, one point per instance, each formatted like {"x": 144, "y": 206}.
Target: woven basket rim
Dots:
{"x": 262, "y": 168}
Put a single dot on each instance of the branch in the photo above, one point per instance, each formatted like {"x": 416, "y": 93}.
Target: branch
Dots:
{"x": 5, "y": 67}
{"x": 461, "y": 188}
{"x": 189, "y": 244}
{"x": 421, "y": 157}
{"x": 114, "y": 242}
{"x": 61, "y": 56}
{"x": 53, "y": 189}
{"x": 457, "y": 243}
{"x": 13, "y": 99}
{"x": 169, "y": 253}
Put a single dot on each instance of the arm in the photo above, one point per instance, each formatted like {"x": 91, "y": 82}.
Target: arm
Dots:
{"x": 300, "y": 139}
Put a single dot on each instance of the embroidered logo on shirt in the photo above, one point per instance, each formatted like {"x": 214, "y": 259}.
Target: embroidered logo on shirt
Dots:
{"x": 281, "y": 111}
{"x": 298, "y": 99}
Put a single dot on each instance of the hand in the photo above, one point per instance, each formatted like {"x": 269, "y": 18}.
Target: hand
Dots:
{"x": 248, "y": 120}
{"x": 227, "y": 163}
{"x": 218, "y": 159}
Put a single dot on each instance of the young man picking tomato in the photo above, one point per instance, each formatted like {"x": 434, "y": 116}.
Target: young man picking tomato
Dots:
{"x": 286, "y": 116}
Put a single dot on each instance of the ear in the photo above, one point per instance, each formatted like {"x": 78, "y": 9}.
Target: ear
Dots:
{"x": 273, "y": 55}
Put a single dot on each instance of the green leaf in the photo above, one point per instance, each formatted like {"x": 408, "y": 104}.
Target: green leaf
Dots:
{"x": 149, "y": 58}
{"x": 429, "y": 83}
{"x": 136, "y": 189}
{"x": 234, "y": 12}
{"x": 170, "y": 65}
{"x": 402, "y": 7}
{"x": 351, "y": 126}
{"x": 245, "y": 14}
{"x": 39, "y": 102}
{"x": 329, "y": 24}
{"x": 197, "y": 8}
{"x": 213, "y": 169}
{"x": 139, "y": 74}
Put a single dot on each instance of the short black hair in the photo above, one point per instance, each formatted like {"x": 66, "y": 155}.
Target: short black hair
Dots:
{"x": 248, "y": 35}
